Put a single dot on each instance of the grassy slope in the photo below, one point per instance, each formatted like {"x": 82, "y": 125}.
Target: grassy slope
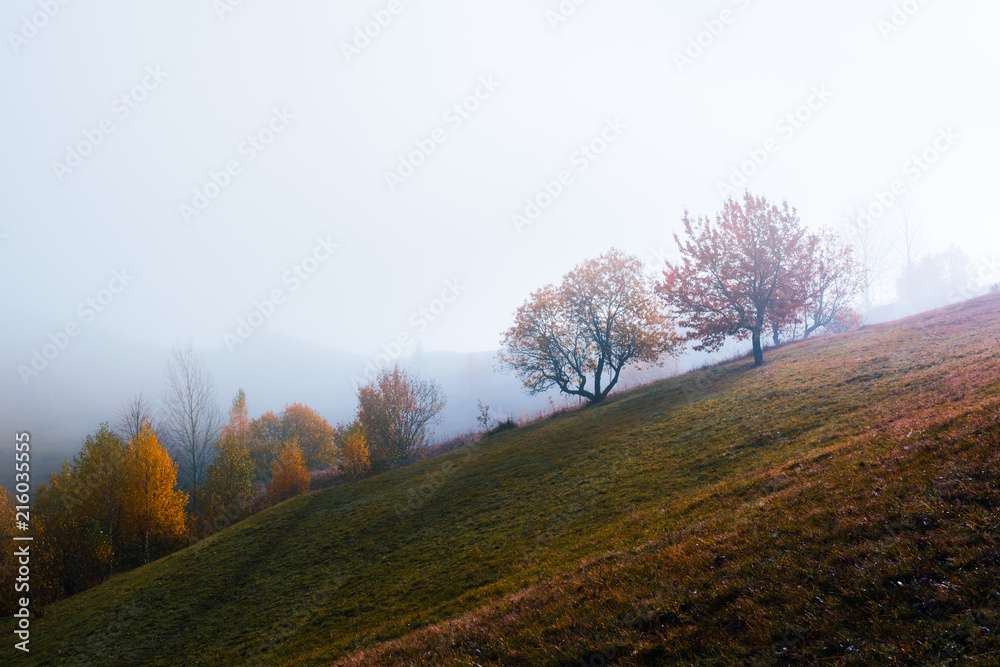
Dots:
{"x": 838, "y": 503}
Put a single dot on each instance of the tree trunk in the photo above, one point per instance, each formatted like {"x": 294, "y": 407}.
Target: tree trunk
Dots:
{"x": 777, "y": 336}
{"x": 758, "y": 354}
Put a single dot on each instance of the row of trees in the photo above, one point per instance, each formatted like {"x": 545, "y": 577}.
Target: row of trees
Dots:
{"x": 752, "y": 270}
{"x": 113, "y": 507}
{"x": 156, "y": 482}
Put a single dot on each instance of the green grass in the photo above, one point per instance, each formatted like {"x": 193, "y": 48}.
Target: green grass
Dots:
{"x": 837, "y": 506}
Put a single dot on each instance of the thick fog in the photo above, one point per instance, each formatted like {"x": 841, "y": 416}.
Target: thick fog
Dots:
{"x": 300, "y": 187}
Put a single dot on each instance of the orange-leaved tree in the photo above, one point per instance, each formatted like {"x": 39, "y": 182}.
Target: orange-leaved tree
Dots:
{"x": 270, "y": 432}
{"x": 580, "y": 335}
{"x": 154, "y": 509}
{"x": 289, "y": 476}
{"x": 314, "y": 433}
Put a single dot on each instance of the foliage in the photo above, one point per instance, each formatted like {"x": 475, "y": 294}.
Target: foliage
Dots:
{"x": 600, "y": 319}
{"x": 267, "y": 441}
{"x": 314, "y": 433}
{"x": 829, "y": 280}
{"x": 394, "y": 412}
{"x": 270, "y": 433}
{"x": 230, "y": 475}
{"x": 114, "y": 507}
{"x": 153, "y": 509}
{"x": 355, "y": 460}
{"x": 289, "y": 476}
{"x": 737, "y": 274}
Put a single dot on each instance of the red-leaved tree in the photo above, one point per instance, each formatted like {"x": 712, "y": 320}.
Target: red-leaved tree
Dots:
{"x": 737, "y": 274}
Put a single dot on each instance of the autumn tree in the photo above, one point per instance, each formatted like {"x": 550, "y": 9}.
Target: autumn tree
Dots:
{"x": 191, "y": 417}
{"x": 99, "y": 473}
{"x": 229, "y": 482}
{"x": 394, "y": 411}
{"x": 270, "y": 432}
{"x": 736, "y": 274}
{"x": 80, "y": 509}
{"x": 355, "y": 461}
{"x": 830, "y": 281}
{"x": 266, "y": 442}
{"x": 78, "y": 515}
{"x": 289, "y": 476}
{"x": 580, "y": 335}
{"x": 154, "y": 510}
{"x": 314, "y": 433}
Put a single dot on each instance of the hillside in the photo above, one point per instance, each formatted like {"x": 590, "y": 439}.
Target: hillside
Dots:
{"x": 838, "y": 505}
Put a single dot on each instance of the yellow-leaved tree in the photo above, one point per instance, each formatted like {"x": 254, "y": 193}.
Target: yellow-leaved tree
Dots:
{"x": 355, "y": 461}
{"x": 289, "y": 476}
{"x": 154, "y": 509}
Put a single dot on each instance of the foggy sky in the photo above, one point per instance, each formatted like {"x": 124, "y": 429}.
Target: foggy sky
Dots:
{"x": 190, "y": 90}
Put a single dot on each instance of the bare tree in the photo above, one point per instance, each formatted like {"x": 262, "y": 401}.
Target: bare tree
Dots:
{"x": 129, "y": 419}
{"x": 866, "y": 235}
{"x": 909, "y": 242}
{"x": 191, "y": 415}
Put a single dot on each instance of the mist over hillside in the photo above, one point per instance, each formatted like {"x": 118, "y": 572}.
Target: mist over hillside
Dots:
{"x": 88, "y": 381}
